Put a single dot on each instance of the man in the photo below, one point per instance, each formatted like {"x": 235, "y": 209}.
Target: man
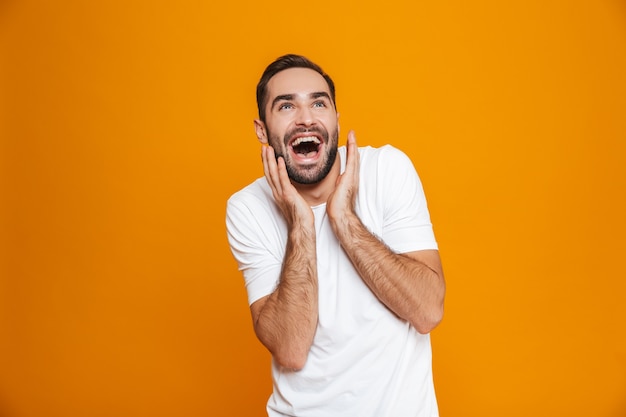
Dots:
{"x": 341, "y": 266}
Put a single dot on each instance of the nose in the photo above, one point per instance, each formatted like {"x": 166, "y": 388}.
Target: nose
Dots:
{"x": 304, "y": 116}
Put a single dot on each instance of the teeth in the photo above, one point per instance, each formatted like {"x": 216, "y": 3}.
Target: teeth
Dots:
{"x": 306, "y": 139}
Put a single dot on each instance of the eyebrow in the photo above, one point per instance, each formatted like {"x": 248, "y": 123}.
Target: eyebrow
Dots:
{"x": 290, "y": 97}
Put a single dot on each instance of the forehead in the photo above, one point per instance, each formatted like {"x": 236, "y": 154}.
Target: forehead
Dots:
{"x": 296, "y": 81}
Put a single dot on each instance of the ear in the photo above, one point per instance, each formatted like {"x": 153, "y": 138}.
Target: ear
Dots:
{"x": 338, "y": 126}
{"x": 261, "y": 131}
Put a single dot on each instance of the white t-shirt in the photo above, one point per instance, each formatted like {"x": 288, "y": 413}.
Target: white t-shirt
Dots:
{"x": 364, "y": 360}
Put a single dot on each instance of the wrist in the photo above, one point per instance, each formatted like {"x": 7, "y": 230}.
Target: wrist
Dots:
{"x": 301, "y": 230}
{"x": 344, "y": 226}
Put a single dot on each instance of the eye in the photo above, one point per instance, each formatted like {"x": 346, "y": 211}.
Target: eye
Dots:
{"x": 285, "y": 106}
{"x": 319, "y": 104}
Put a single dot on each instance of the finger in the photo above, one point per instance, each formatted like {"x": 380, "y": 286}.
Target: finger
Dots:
{"x": 264, "y": 158}
{"x": 271, "y": 171}
{"x": 266, "y": 169}
{"x": 351, "y": 137}
{"x": 352, "y": 157}
{"x": 283, "y": 176}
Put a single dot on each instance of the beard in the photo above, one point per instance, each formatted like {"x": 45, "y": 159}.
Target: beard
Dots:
{"x": 314, "y": 173}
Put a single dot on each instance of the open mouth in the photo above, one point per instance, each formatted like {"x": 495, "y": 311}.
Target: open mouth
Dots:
{"x": 306, "y": 146}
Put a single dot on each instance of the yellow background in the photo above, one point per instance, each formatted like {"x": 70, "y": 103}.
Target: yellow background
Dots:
{"x": 126, "y": 125}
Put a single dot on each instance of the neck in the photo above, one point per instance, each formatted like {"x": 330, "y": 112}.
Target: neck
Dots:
{"x": 316, "y": 194}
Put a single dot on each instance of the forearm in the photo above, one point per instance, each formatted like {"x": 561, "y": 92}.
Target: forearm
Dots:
{"x": 287, "y": 321}
{"x": 412, "y": 288}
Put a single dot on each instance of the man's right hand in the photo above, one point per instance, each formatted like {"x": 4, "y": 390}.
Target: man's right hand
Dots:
{"x": 286, "y": 320}
{"x": 294, "y": 208}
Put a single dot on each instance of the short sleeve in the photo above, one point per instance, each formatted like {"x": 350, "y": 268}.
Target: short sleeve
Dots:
{"x": 406, "y": 223}
{"x": 256, "y": 243}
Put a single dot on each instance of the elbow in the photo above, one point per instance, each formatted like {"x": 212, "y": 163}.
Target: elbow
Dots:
{"x": 291, "y": 356}
{"x": 430, "y": 315}
{"x": 288, "y": 352}
{"x": 427, "y": 322}
{"x": 425, "y": 327}
{"x": 290, "y": 361}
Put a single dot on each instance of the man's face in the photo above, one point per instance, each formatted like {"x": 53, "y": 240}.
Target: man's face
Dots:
{"x": 301, "y": 124}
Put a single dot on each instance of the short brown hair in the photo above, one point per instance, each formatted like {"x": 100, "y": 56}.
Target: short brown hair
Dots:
{"x": 280, "y": 64}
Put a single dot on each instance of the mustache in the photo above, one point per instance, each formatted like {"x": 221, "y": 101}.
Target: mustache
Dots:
{"x": 301, "y": 130}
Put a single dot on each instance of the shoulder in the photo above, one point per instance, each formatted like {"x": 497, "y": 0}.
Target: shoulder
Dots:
{"x": 390, "y": 152}
{"x": 386, "y": 158}
{"x": 382, "y": 153}
{"x": 252, "y": 214}
{"x": 253, "y": 198}
{"x": 374, "y": 158}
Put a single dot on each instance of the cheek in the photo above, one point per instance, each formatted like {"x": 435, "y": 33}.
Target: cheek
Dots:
{"x": 332, "y": 127}
{"x": 275, "y": 137}
{"x": 277, "y": 129}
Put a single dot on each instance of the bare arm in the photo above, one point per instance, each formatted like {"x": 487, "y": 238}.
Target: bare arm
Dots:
{"x": 285, "y": 321}
{"x": 411, "y": 285}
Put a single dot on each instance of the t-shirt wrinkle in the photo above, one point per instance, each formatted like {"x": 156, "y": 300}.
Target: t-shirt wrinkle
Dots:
{"x": 365, "y": 361}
